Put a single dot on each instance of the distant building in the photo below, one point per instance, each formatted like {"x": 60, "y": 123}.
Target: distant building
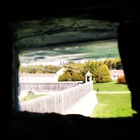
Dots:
{"x": 40, "y": 77}
{"x": 37, "y": 78}
{"x": 114, "y": 74}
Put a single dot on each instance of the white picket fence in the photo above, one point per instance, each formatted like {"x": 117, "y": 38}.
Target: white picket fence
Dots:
{"x": 57, "y": 102}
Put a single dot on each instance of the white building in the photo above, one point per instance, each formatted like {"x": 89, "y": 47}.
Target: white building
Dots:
{"x": 114, "y": 74}
{"x": 40, "y": 77}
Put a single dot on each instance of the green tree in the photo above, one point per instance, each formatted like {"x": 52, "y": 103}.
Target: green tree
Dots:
{"x": 117, "y": 64}
{"x": 109, "y": 63}
{"x": 77, "y": 76}
{"x": 103, "y": 74}
{"x": 100, "y": 63}
{"x": 22, "y": 69}
{"x": 92, "y": 67}
{"x": 66, "y": 76}
{"x": 71, "y": 75}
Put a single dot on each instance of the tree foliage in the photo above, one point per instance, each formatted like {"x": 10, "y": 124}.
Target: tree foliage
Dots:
{"x": 103, "y": 74}
{"x": 71, "y": 76}
{"x": 75, "y": 71}
{"x": 39, "y": 69}
{"x": 92, "y": 67}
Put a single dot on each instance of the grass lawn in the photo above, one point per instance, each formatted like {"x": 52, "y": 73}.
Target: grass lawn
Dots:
{"x": 110, "y": 86}
{"x": 113, "y": 105}
{"x": 30, "y": 97}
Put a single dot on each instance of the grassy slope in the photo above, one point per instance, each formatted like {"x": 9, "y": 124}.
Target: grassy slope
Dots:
{"x": 110, "y": 86}
{"x": 113, "y": 105}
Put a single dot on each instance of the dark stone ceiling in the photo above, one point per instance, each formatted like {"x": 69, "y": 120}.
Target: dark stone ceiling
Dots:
{"x": 67, "y": 26}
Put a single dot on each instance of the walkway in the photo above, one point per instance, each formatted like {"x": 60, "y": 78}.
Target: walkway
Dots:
{"x": 84, "y": 106}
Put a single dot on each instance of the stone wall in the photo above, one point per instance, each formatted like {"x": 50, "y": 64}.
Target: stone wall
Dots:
{"x": 58, "y": 102}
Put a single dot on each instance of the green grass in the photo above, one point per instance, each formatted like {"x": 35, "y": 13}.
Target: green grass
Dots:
{"x": 113, "y": 105}
{"x": 110, "y": 86}
{"x": 30, "y": 97}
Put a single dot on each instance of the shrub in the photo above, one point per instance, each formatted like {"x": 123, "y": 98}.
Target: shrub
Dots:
{"x": 121, "y": 80}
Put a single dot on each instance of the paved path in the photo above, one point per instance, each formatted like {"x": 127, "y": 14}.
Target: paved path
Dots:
{"x": 84, "y": 106}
